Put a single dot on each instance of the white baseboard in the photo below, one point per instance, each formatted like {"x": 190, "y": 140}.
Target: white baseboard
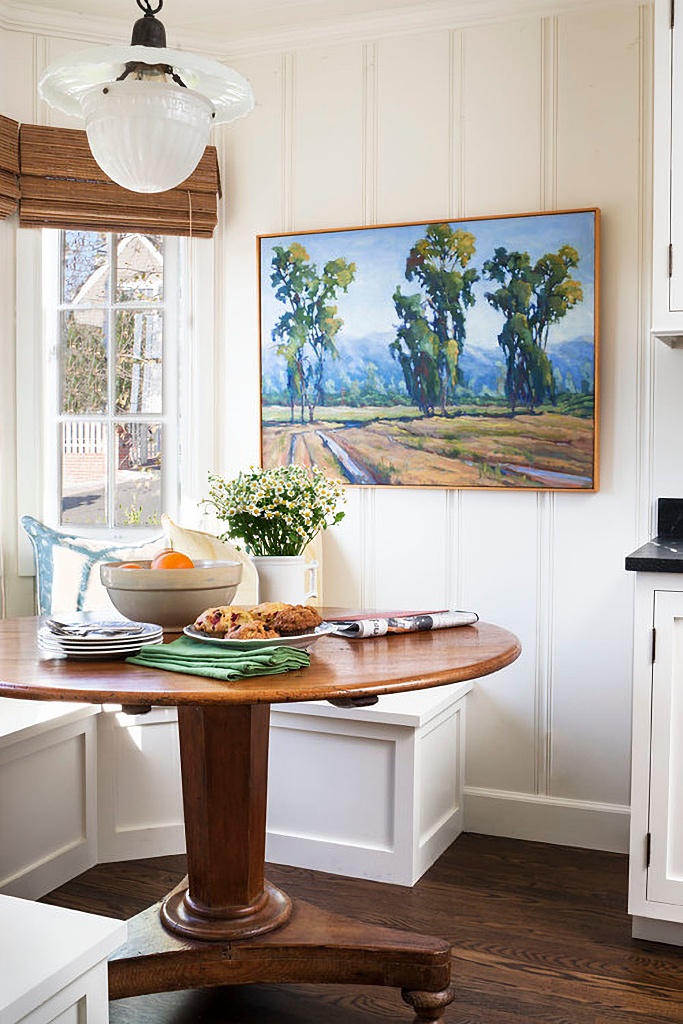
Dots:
{"x": 651, "y": 930}
{"x": 545, "y": 819}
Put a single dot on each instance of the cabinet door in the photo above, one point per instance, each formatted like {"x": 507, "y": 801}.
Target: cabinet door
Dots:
{"x": 676, "y": 279}
{"x": 667, "y": 168}
{"x": 665, "y": 873}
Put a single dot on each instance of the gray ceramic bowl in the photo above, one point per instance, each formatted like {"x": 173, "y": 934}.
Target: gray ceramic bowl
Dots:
{"x": 172, "y": 598}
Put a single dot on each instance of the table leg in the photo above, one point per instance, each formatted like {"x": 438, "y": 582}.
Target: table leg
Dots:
{"x": 224, "y": 757}
{"x": 226, "y": 924}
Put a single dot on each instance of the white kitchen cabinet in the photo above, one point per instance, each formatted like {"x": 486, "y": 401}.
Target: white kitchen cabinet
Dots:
{"x": 656, "y": 854}
{"x": 667, "y": 227}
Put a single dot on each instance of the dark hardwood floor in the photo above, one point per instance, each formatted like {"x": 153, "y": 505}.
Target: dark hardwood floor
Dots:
{"x": 539, "y": 933}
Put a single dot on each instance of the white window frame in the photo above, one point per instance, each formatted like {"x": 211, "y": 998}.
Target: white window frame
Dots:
{"x": 189, "y": 420}
{"x": 170, "y": 307}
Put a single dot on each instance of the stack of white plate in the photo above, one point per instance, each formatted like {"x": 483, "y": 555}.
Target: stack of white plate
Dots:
{"x": 98, "y": 639}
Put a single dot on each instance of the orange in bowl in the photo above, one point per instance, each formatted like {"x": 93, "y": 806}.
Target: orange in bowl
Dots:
{"x": 171, "y": 560}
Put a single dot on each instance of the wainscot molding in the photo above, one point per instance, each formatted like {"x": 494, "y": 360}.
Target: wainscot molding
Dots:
{"x": 545, "y": 819}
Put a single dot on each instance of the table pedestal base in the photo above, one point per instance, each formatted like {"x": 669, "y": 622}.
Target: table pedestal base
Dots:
{"x": 312, "y": 946}
{"x": 183, "y": 916}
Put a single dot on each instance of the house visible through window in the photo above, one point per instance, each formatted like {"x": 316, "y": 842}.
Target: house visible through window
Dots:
{"x": 110, "y": 348}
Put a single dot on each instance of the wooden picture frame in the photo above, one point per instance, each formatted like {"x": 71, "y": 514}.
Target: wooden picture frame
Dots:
{"x": 458, "y": 354}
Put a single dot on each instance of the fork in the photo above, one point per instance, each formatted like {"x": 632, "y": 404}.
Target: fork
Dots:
{"x": 78, "y": 629}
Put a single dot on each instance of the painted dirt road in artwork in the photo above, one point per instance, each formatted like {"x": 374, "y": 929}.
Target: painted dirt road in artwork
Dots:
{"x": 459, "y": 354}
{"x": 481, "y": 450}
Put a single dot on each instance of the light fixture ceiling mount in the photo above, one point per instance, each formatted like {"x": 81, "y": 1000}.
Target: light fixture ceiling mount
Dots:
{"x": 148, "y": 109}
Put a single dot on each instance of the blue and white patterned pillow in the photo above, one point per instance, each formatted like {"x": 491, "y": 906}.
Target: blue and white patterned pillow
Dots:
{"x": 67, "y": 567}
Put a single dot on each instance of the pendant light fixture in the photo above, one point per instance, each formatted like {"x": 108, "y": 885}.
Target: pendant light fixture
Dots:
{"x": 148, "y": 110}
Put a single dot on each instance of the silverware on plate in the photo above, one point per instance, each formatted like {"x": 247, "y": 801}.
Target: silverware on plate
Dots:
{"x": 86, "y": 628}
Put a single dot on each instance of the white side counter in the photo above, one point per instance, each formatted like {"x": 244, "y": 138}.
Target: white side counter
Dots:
{"x": 53, "y": 963}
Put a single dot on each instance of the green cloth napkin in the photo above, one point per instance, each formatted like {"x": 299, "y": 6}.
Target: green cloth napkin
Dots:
{"x": 200, "y": 659}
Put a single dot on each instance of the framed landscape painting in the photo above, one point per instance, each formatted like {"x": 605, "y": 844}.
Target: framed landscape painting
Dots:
{"x": 460, "y": 354}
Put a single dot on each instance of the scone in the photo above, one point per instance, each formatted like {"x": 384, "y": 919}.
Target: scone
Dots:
{"x": 252, "y": 631}
{"x": 219, "y": 621}
{"x": 267, "y": 610}
{"x": 295, "y": 619}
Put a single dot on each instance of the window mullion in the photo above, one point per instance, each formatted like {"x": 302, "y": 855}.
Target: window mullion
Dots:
{"x": 111, "y": 383}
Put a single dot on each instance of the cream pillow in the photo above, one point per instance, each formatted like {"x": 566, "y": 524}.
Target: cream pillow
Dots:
{"x": 197, "y": 545}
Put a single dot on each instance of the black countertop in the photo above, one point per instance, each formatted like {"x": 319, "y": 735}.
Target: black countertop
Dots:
{"x": 665, "y": 552}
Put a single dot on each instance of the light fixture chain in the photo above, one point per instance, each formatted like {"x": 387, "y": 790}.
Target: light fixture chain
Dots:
{"x": 146, "y": 6}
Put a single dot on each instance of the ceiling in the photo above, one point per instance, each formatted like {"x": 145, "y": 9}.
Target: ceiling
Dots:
{"x": 229, "y": 27}
{"x": 228, "y": 17}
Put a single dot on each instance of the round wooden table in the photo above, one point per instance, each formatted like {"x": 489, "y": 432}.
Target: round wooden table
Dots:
{"x": 225, "y": 924}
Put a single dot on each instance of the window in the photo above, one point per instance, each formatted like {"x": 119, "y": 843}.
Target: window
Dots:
{"x": 140, "y": 432}
{"x": 111, "y": 422}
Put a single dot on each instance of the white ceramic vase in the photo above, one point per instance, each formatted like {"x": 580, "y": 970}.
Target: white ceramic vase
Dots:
{"x": 289, "y": 578}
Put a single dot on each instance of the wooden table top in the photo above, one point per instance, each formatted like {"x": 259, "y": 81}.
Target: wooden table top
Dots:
{"x": 339, "y": 668}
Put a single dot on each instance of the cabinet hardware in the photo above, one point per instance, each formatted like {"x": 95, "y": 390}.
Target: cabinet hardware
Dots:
{"x": 654, "y": 645}
{"x": 648, "y": 849}
{"x": 671, "y": 260}
{"x": 672, "y": 13}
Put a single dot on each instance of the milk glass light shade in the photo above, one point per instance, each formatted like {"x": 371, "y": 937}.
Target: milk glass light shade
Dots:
{"x": 147, "y": 139}
{"x": 147, "y": 131}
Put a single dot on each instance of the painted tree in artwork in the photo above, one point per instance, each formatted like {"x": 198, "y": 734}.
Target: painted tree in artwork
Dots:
{"x": 416, "y": 348}
{"x": 431, "y": 331}
{"x": 531, "y": 299}
{"x": 305, "y": 333}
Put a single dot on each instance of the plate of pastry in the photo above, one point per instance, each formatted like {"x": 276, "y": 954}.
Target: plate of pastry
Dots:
{"x": 270, "y": 624}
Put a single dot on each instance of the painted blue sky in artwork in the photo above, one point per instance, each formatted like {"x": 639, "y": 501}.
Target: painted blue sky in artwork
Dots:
{"x": 380, "y": 257}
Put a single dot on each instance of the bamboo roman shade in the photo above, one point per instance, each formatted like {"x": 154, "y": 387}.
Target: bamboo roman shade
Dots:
{"x": 9, "y": 166}
{"x": 62, "y": 187}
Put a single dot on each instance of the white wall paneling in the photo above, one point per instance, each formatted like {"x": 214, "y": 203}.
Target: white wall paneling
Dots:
{"x": 410, "y": 565}
{"x": 501, "y": 118}
{"x": 409, "y": 165}
{"x": 499, "y": 578}
{"x": 328, "y": 137}
{"x": 483, "y": 111}
{"x": 17, "y": 75}
{"x": 348, "y": 554}
{"x": 17, "y": 100}
{"x": 253, "y": 175}
{"x": 593, "y": 600}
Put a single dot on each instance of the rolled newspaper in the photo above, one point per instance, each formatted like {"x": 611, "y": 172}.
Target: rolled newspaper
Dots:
{"x": 358, "y": 629}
